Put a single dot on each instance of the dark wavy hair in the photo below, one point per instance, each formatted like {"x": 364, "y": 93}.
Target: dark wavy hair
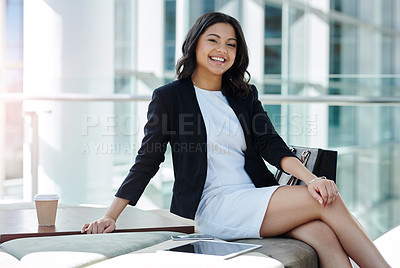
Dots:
{"x": 233, "y": 80}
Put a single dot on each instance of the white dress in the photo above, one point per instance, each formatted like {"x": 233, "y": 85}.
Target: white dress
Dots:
{"x": 231, "y": 207}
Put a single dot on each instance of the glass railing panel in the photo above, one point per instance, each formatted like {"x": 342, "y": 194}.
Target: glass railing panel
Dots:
{"x": 361, "y": 85}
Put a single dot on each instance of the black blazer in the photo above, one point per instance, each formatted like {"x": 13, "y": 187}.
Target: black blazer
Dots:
{"x": 174, "y": 117}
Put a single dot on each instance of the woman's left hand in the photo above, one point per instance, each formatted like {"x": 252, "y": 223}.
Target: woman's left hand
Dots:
{"x": 324, "y": 191}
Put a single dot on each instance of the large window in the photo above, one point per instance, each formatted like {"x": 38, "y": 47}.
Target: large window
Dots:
{"x": 348, "y": 7}
{"x": 273, "y": 40}
{"x": 343, "y": 59}
{"x": 355, "y": 44}
{"x": 273, "y": 58}
{"x": 170, "y": 36}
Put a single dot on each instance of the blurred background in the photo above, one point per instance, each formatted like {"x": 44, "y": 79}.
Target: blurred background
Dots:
{"x": 76, "y": 77}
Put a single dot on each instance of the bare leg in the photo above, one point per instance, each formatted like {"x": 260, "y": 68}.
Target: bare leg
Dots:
{"x": 322, "y": 238}
{"x": 293, "y": 206}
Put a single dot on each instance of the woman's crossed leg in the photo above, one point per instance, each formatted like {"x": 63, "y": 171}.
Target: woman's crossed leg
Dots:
{"x": 332, "y": 231}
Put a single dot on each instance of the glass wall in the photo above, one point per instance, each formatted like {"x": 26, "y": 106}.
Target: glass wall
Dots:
{"x": 11, "y": 73}
{"x": 297, "y": 48}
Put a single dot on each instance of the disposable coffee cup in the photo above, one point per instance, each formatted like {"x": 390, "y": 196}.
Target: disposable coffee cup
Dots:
{"x": 46, "y": 208}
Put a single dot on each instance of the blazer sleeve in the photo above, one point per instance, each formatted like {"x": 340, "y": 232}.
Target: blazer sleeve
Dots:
{"x": 151, "y": 153}
{"x": 266, "y": 140}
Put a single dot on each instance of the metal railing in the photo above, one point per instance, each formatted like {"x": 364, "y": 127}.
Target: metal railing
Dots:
{"x": 30, "y": 182}
{"x": 341, "y": 100}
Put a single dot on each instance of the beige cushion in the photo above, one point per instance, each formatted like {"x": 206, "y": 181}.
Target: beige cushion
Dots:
{"x": 109, "y": 245}
{"x": 291, "y": 252}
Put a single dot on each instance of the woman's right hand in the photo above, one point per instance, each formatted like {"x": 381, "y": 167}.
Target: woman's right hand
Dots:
{"x": 102, "y": 225}
{"x": 106, "y": 224}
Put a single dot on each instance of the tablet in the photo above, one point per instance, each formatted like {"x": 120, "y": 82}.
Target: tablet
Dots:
{"x": 223, "y": 249}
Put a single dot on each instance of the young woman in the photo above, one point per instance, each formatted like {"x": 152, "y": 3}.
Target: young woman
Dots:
{"x": 219, "y": 136}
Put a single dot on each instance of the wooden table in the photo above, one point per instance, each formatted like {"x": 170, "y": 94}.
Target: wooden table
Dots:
{"x": 22, "y": 222}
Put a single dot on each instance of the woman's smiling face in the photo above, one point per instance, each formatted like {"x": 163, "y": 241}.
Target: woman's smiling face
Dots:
{"x": 216, "y": 50}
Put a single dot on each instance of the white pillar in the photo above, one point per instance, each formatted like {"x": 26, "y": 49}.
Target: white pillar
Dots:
{"x": 2, "y": 104}
{"x": 317, "y": 122}
{"x": 253, "y": 28}
{"x": 182, "y": 25}
{"x": 150, "y": 59}
{"x": 150, "y": 52}
{"x": 150, "y": 47}
{"x": 309, "y": 63}
{"x": 151, "y": 19}
{"x": 69, "y": 48}
{"x": 296, "y": 71}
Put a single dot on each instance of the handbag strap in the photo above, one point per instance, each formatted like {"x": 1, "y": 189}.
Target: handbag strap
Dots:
{"x": 305, "y": 155}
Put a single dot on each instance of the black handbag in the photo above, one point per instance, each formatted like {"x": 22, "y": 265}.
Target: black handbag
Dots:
{"x": 320, "y": 162}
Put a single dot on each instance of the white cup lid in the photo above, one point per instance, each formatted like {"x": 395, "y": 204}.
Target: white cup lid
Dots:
{"x": 45, "y": 197}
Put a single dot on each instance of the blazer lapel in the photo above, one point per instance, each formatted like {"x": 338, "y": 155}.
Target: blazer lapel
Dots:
{"x": 193, "y": 105}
